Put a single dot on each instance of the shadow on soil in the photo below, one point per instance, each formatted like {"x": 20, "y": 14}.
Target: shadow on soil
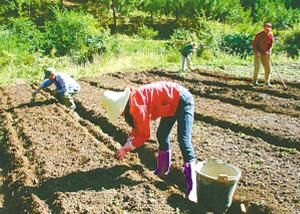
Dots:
{"x": 32, "y": 104}
{"x": 269, "y": 138}
{"x": 98, "y": 179}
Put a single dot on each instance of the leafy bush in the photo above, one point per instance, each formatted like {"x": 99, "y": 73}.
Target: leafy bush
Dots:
{"x": 26, "y": 34}
{"x": 147, "y": 32}
{"x": 292, "y": 42}
{"x": 180, "y": 38}
{"x": 237, "y": 43}
{"x": 76, "y": 34}
{"x": 5, "y": 58}
{"x": 277, "y": 13}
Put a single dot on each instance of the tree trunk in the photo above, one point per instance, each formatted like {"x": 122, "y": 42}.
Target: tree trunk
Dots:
{"x": 114, "y": 15}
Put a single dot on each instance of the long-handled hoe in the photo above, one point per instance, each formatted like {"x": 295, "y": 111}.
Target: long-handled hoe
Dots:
{"x": 278, "y": 73}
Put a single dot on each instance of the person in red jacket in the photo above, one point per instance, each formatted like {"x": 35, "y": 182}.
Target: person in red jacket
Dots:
{"x": 262, "y": 48}
{"x": 168, "y": 101}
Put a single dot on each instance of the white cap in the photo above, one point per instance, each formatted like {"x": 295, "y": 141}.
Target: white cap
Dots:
{"x": 114, "y": 103}
{"x": 194, "y": 45}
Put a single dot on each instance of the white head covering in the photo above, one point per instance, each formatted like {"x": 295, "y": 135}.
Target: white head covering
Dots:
{"x": 114, "y": 103}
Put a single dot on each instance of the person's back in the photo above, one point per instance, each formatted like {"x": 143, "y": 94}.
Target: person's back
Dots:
{"x": 67, "y": 83}
{"x": 161, "y": 99}
{"x": 186, "y": 50}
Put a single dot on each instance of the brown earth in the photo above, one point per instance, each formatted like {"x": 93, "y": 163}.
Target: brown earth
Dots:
{"x": 57, "y": 161}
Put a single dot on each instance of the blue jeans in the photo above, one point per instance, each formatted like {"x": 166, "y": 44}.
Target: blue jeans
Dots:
{"x": 184, "y": 117}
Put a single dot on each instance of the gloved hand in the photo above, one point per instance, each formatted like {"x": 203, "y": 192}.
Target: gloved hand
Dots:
{"x": 54, "y": 93}
{"x": 121, "y": 153}
{"x": 34, "y": 95}
{"x": 258, "y": 54}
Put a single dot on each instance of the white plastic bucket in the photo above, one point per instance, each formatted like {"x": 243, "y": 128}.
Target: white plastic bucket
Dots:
{"x": 216, "y": 183}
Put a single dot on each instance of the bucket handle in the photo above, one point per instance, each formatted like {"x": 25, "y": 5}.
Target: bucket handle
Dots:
{"x": 223, "y": 178}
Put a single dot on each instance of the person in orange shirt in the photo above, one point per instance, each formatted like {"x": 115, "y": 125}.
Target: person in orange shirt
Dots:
{"x": 262, "y": 48}
{"x": 165, "y": 100}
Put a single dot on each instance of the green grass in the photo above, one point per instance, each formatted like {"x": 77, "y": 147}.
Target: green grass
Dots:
{"x": 134, "y": 54}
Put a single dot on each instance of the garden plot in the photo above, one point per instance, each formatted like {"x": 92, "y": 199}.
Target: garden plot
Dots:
{"x": 63, "y": 162}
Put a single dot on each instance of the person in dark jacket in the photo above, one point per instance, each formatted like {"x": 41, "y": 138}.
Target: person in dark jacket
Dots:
{"x": 262, "y": 48}
{"x": 165, "y": 100}
{"x": 187, "y": 52}
{"x": 66, "y": 86}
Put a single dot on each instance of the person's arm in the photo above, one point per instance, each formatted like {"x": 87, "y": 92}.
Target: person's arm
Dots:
{"x": 121, "y": 153}
{"x": 45, "y": 84}
{"x": 138, "y": 135}
{"x": 254, "y": 44}
{"x": 269, "y": 52}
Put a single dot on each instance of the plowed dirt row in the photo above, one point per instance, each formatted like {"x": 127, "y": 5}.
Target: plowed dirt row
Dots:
{"x": 61, "y": 162}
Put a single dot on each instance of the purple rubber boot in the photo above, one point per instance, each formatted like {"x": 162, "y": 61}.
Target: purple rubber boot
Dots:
{"x": 163, "y": 163}
{"x": 190, "y": 180}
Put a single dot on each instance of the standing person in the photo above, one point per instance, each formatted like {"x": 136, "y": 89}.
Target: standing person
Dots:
{"x": 168, "y": 101}
{"x": 187, "y": 52}
{"x": 66, "y": 86}
{"x": 262, "y": 48}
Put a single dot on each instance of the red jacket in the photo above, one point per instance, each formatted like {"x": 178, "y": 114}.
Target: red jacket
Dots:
{"x": 150, "y": 102}
{"x": 262, "y": 42}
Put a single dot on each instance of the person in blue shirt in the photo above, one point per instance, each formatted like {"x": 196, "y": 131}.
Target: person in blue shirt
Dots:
{"x": 66, "y": 86}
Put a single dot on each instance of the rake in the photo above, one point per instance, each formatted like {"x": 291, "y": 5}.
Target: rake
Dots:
{"x": 278, "y": 73}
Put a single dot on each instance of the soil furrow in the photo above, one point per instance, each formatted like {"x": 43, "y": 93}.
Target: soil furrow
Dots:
{"x": 245, "y": 96}
{"x": 225, "y": 77}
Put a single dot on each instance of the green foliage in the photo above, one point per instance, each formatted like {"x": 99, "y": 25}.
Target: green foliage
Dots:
{"x": 147, "y": 32}
{"x": 221, "y": 10}
{"x": 292, "y": 42}
{"x": 5, "y": 58}
{"x": 237, "y": 43}
{"x": 76, "y": 34}
{"x": 181, "y": 37}
{"x": 26, "y": 34}
{"x": 275, "y": 11}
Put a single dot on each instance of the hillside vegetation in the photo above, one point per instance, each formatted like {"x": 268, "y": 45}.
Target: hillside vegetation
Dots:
{"x": 81, "y": 35}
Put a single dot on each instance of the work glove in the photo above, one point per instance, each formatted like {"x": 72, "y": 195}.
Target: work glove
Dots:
{"x": 121, "y": 153}
{"x": 34, "y": 95}
{"x": 54, "y": 93}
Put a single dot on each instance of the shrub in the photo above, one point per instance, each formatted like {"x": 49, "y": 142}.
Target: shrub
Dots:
{"x": 147, "y": 32}
{"x": 180, "y": 38}
{"x": 292, "y": 42}
{"x": 78, "y": 35}
{"x": 5, "y": 58}
{"x": 237, "y": 43}
{"x": 26, "y": 34}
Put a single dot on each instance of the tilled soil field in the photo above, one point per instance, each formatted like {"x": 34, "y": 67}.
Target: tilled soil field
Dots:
{"x": 57, "y": 161}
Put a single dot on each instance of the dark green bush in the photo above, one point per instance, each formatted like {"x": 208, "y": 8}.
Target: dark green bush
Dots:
{"x": 237, "y": 44}
{"x": 292, "y": 42}
{"x": 78, "y": 35}
{"x": 26, "y": 34}
{"x": 147, "y": 32}
{"x": 180, "y": 38}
